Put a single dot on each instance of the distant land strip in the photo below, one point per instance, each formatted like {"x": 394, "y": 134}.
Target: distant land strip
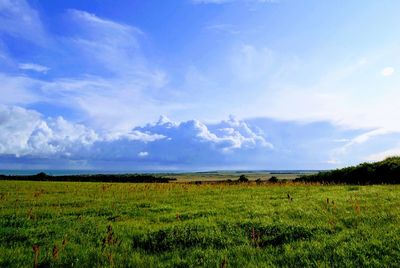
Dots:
{"x": 128, "y": 178}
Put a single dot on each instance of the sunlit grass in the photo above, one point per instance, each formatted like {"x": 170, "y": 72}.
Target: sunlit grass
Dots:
{"x": 180, "y": 225}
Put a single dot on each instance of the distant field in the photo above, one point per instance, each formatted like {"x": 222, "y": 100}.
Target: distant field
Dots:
{"x": 65, "y": 224}
{"x": 149, "y": 177}
{"x": 231, "y": 175}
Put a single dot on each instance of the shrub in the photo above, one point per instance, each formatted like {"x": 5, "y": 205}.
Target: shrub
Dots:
{"x": 243, "y": 178}
{"x": 273, "y": 179}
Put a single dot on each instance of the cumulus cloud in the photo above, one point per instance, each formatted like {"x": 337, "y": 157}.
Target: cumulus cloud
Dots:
{"x": 27, "y": 137}
{"x": 240, "y": 134}
{"x": 225, "y": 136}
{"x": 197, "y": 145}
{"x": 134, "y": 135}
{"x": 26, "y": 133}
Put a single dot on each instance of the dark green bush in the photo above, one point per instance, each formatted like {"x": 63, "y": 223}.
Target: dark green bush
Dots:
{"x": 273, "y": 179}
{"x": 383, "y": 172}
{"x": 243, "y": 178}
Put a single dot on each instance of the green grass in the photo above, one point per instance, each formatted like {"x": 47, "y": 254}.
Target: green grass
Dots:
{"x": 210, "y": 225}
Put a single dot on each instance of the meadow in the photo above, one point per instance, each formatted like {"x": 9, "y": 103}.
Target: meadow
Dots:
{"x": 234, "y": 175}
{"x": 76, "y": 224}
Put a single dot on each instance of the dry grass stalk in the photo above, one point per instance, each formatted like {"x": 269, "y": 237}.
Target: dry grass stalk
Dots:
{"x": 56, "y": 251}
{"x": 36, "y": 251}
{"x": 224, "y": 263}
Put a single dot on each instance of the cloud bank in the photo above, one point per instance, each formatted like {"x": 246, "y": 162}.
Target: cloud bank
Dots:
{"x": 30, "y": 139}
{"x": 26, "y": 134}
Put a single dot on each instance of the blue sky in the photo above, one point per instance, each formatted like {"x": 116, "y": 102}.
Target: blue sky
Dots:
{"x": 198, "y": 84}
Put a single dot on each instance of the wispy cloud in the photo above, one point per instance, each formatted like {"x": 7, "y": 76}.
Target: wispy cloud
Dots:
{"x": 20, "y": 90}
{"x": 271, "y": 83}
{"x": 363, "y": 138}
{"x": 113, "y": 45}
{"x": 19, "y": 20}
{"x": 34, "y": 67}
{"x": 111, "y": 70}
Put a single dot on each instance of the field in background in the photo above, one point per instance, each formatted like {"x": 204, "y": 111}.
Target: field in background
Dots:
{"x": 185, "y": 225}
{"x": 99, "y": 176}
{"x": 233, "y": 175}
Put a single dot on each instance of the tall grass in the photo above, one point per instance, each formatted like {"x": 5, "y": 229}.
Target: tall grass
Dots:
{"x": 63, "y": 224}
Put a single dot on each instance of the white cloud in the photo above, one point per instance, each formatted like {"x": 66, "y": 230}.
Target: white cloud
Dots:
{"x": 143, "y": 154}
{"x": 132, "y": 93}
{"x": 368, "y": 135}
{"x": 112, "y": 44}
{"x": 360, "y": 139}
{"x": 251, "y": 81}
{"x": 226, "y": 135}
{"x": 34, "y": 67}
{"x": 240, "y": 134}
{"x": 346, "y": 95}
{"x": 333, "y": 162}
{"x": 19, "y": 90}
{"x": 18, "y": 19}
{"x": 117, "y": 104}
{"x": 388, "y": 71}
{"x": 25, "y": 133}
{"x": 26, "y": 136}
{"x": 134, "y": 135}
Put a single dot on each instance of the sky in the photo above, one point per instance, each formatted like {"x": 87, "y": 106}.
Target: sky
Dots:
{"x": 189, "y": 85}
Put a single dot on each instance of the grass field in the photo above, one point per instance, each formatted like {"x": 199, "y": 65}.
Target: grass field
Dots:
{"x": 187, "y": 225}
{"x": 231, "y": 175}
